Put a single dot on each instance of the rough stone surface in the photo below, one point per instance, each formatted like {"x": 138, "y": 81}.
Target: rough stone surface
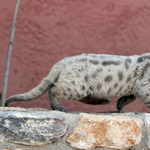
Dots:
{"x": 147, "y": 124}
{"x": 31, "y": 128}
{"x": 118, "y": 132}
{"x": 72, "y": 120}
{"x": 13, "y": 149}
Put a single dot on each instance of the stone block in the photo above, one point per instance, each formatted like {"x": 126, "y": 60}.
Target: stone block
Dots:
{"x": 31, "y": 128}
{"x": 119, "y": 132}
{"x": 147, "y": 124}
{"x": 12, "y": 149}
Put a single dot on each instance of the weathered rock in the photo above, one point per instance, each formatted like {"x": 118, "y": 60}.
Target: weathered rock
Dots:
{"x": 13, "y": 149}
{"x": 147, "y": 123}
{"x": 118, "y": 132}
{"x": 31, "y": 128}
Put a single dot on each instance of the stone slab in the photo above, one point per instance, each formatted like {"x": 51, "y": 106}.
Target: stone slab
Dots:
{"x": 147, "y": 124}
{"x": 119, "y": 132}
{"x": 72, "y": 119}
{"x": 31, "y": 128}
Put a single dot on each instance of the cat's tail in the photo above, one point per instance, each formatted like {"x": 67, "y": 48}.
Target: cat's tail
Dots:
{"x": 40, "y": 89}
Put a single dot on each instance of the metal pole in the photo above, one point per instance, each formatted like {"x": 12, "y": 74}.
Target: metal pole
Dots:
{"x": 9, "y": 53}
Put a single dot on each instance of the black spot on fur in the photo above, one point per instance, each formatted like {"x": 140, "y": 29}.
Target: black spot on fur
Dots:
{"x": 142, "y": 58}
{"x": 69, "y": 89}
{"x": 73, "y": 82}
{"x": 119, "y": 90}
{"x": 109, "y": 90}
{"x": 147, "y": 103}
{"x": 108, "y": 78}
{"x": 106, "y": 63}
{"x": 99, "y": 86}
{"x": 33, "y": 95}
{"x": 132, "y": 88}
{"x": 94, "y": 75}
{"x": 41, "y": 89}
{"x": 81, "y": 69}
{"x": 96, "y": 72}
{"x": 128, "y": 79}
{"x": 47, "y": 81}
{"x": 116, "y": 85}
{"x": 94, "y": 62}
{"x": 82, "y": 59}
{"x": 64, "y": 94}
{"x": 70, "y": 97}
{"x": 99, "y": 70}
{"x": 91, "y": 88}
{"x": 135, "y": 71}
{"x": 144, "y": 70}
{"x": 120, "y": 76}
{"x": 86, "y": 78}
{"x": 83, "y": 88}
{"x": 77, "y": 74}
{"x": 78, "y": 95}
{"x": 87, "y": 92}
{"x": 147, "y": 94}
{"x": 127, "y": 63}
{"x": 129, "y": 87}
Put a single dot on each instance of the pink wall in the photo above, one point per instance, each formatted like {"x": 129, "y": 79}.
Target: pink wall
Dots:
{"x": 48, "y": 30}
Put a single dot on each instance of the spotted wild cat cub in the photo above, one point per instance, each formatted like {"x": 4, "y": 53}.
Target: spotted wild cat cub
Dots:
{"x": 93, "y": 79}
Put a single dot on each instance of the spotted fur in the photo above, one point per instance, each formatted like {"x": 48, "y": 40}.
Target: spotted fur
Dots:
{"x": 93, "y": 79}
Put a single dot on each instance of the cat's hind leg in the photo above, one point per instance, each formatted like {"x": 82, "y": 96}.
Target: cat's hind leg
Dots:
{"x": 125, "y": 100}
{"x": 53, "y": 100}
{"x": 63, "y": 91}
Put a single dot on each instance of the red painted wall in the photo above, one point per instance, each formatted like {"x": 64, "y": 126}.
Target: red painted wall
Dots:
{"x": 48, "y": 30}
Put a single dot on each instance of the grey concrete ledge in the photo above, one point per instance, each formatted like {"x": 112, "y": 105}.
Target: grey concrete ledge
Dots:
{"x": 16, "y": 131}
